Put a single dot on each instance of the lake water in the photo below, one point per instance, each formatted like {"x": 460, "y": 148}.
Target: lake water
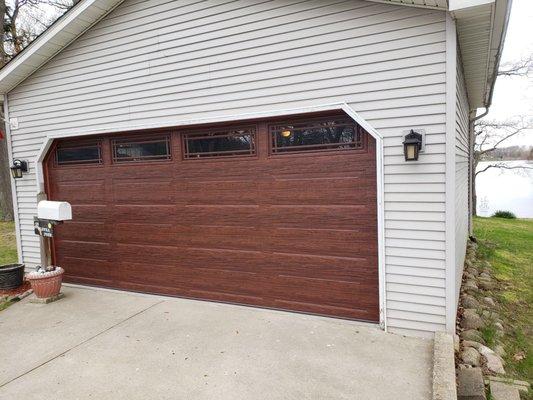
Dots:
{"x": 504, "y": 189}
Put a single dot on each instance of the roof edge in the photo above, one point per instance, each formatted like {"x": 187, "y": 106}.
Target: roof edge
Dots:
{"x": 28, "y": 61}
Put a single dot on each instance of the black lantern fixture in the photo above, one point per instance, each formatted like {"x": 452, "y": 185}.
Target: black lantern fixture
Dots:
{"x": 412, "y": 145}
{"x": 18, "y": 168}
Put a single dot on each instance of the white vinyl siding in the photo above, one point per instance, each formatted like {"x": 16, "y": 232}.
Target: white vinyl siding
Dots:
{"x": 151, "y": 62}
{"x": 462, "y": 180}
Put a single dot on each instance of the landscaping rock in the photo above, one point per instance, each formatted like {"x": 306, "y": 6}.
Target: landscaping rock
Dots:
{"x": 490, "y": 315}
{"x": 522, "y": 386}
{"x": 484, "y": 350}
{"x": 502, "y": 391}
{"x": 470, "y": 384}
{"x": 473, "y": 335}
{"x": 470, "y": 285}
{"x": 469, "y": 276}
{"x": 489, "y": 301}
{"x": 487, "y": 284}
{"x": 471, "y": 343}
{"x": 485, "y": 275}
{"x": 470, "y": 302}
{"x": 472, "y": 271}
{"x": 499, "y": 350}
{"x": 494, "y": 363}
{"x": 498, "y": 326}
{"x": 471, "y": 320}
{"x": 471, "y": 357}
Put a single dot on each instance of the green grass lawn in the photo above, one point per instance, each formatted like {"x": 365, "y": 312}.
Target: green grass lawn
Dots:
{"x": 8, "y": 243}
{"x": 8, "y": 250}
{"x": 507, "y": 244}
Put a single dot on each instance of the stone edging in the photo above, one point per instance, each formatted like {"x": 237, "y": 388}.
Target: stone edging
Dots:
{"x": 444, "y": 387}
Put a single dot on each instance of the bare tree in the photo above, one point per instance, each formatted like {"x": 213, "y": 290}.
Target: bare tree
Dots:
{"x": 490, "y": 136}
{"x": 22, "y": 21}
{"x": 523, "y": 67}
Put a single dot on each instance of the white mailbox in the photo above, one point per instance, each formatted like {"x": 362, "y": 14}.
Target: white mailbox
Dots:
{"x": 54, "y": 210}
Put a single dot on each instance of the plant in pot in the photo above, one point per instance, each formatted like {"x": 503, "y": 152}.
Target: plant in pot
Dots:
{"x": 46, "y": 281}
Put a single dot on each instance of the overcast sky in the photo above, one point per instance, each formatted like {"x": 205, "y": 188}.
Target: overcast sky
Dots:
{"x": 514, "y": 96}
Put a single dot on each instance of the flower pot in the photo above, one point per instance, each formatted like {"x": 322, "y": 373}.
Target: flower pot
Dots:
{"x": 11, "y": 276}
{"x": 47, "y": 284}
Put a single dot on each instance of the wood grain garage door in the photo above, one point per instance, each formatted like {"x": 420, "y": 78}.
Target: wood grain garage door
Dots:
{"x": 269, "y": 213}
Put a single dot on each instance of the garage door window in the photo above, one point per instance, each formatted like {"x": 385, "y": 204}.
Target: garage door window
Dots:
{"x": 138, "y": 150}
{"x": 213, "y": 144}
{"x": 317, "y": 135}
{"x": 86, "y": 153}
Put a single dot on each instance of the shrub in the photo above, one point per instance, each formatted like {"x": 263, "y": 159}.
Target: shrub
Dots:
{"x": 504, "y": 214}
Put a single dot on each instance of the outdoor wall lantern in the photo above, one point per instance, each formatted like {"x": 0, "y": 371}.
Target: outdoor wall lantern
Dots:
{"x": 412, "y": 145}
{"x": 18, "y": 168}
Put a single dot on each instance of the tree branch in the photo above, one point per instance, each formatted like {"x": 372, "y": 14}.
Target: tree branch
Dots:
{"x": 523, "y": 67}
{"x": 502, "y": 166}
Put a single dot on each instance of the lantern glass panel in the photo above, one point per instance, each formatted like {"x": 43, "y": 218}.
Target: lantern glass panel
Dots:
{"x": 16, "y": 172}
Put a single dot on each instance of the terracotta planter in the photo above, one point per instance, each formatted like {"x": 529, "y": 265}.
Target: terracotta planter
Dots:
{"x": 47, "y": 284}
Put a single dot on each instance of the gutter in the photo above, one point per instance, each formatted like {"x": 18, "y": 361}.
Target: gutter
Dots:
{"x": 488, "y": 101}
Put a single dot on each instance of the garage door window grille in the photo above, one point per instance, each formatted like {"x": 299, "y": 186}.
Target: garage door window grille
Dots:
{"x": 141, "y": 150}
{"x": 80, "y": 153}
{"x": 316, "y": 135}
{"x": 220, "y": 143}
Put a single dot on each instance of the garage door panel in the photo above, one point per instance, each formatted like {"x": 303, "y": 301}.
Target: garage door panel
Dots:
{"x": 349, "y": 312}
{"x": 231, "y": 215}
{"x": 75, "y": 175}
{"x": 82, "y": 192}
{"x": 97, "y": 271}
{"x": 218, "y": 192}
{"x": 224, "y": 259}
{"x": 322, "y": 242}
{"x": 148, "y": 214}
{"x": 153, "y": 170}
{"x": 317, "y": 267}
{"x": 130, "y": 191}
{"x": 339, "y": 191}
{"x": 82, "y": 231}
{"x": 326, "y": 216}
{"x": 230, "y": 282}
{"x": 322, "y": 166}
{"x": 325, "y": 292}
{"x": 146, "y": 253}
{"x": 155, "y": 274}
{"x": 140, "y": 234}
{"x": 89, "y": 213}
{"x": 219, "y": 170}
{"x": 224, "y": 237}
{"x": 84, "y": 249}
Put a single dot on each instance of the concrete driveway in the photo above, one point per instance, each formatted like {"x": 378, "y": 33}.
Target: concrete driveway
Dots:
{"x": 98, "y": 344}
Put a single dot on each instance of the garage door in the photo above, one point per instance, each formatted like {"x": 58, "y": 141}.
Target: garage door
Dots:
{"x": 278, "y": 214}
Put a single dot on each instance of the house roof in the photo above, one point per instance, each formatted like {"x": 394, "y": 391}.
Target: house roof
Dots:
{"x": 481, "y": 27}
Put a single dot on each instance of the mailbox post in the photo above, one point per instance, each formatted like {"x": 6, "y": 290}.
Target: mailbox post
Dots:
{"x": 49, "y": 214}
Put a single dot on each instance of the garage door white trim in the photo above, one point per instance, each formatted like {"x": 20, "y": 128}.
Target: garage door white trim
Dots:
{"x": 257, "y": 115}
